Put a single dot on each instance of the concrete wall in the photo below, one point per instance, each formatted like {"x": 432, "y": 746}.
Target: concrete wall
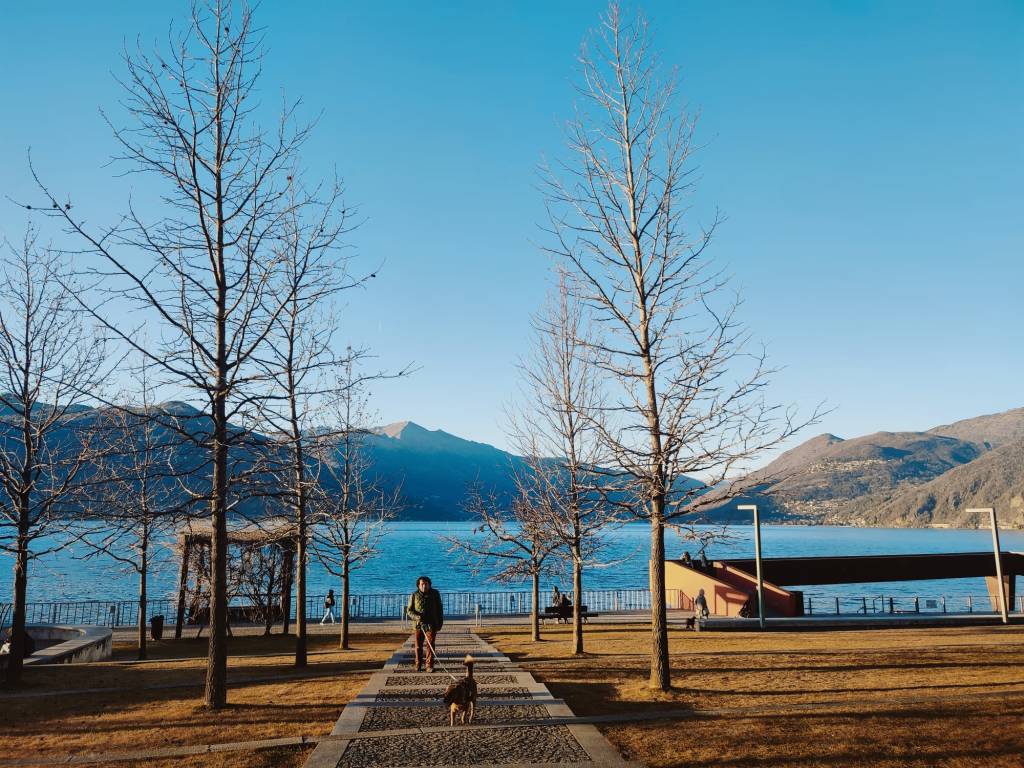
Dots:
{"x": 777, "y": 601}
{"x": 77, "y": 645}
{"x": 723, "y": 598}
{"x": 727, "y": 589}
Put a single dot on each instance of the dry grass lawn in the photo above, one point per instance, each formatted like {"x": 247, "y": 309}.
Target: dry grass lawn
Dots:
{"x": 135, "y": 709}
{"x": 890, "y": 698}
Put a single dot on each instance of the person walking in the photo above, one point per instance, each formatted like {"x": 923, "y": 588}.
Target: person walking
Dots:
{"x": 427, "y": 615}
{"x": 700, "y": 605}
{"x": 328, "y": 607}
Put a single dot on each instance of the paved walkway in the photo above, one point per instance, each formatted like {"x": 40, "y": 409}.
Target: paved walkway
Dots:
{"x": 399, "y": 719}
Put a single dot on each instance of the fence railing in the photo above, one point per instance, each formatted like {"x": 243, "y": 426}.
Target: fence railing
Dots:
{"x": 867, "y": 605}
{"x": 114, "y": 613}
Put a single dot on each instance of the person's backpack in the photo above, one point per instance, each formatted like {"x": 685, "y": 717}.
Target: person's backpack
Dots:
{"x": 329, "y": 601}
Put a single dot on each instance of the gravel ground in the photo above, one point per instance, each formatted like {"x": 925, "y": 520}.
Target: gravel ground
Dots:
{"x": 387, "y": 718}
{"x": 425, "y": 694}
{"x": 440, "y": 678}
{"x": 512, "y": 745}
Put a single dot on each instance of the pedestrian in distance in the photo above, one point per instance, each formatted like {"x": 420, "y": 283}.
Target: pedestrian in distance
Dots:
{"x": 328, "y": 607}
{"x": 556, "y": 598}
{"x": 427, "y": 615}
{"x": 700, "y": 605}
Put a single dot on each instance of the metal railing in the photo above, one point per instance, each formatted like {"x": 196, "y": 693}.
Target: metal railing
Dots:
{"x": 869, "y": 605}
{"x": 115, "y": 613}
{"x": 108, "y": 613}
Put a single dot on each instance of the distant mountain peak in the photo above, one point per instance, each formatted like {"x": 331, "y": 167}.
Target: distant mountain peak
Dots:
{"x": 401, "y": 429}
{"x": 177, "y": 408}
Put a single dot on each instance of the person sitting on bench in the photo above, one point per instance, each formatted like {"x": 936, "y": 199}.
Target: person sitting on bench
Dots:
{"x": 565, "y": 609}
{"x": 556, "y": 598}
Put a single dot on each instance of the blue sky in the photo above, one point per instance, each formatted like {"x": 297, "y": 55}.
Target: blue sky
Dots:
{"x": 868, "y": 158}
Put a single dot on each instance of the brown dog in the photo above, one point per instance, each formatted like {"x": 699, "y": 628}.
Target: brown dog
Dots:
{"x": 461, "y": 696}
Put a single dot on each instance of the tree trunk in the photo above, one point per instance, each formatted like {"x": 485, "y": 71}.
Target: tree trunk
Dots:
{"x": 534, "y": 609}
{"x": 179, "y": 620}
{"x": 577, "y": 604}
{"x": 301, "y": 657}
{"x": 661, "y": 676}
{"x": 268, "y": 615}
{"x": 287, "y": 582}
{"x": 142, "y": 601}
{"x": 345, "y": 575}
{"x": 217, "y": 658}
{"x": 16, "y": 657}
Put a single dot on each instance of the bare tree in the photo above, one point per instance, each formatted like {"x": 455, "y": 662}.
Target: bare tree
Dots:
{"x": 257, "y": 573}
{"x": 353, "y": 507}
{"x": 513, "y": 536}
{"x": 555, "y": 431}
{"x": 686, "y": 396}
{"x": 49, "y": 361}
{"x": 205, "y": 270}
{"x": 301, "y": 361}
{"x": 134, "y": 498}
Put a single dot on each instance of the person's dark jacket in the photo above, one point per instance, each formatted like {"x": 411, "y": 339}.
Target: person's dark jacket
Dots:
{"x": 425, "y": 610}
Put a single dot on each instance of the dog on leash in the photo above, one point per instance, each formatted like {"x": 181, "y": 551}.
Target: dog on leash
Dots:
{"x": 691, "y": 622}
{"x": 461, "y": 695}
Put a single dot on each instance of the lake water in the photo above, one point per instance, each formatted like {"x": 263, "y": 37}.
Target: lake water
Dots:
{"x": 411, "y": 548}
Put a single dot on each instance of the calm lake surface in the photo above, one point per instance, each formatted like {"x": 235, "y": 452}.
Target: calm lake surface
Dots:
{"x": 411, "y": 548}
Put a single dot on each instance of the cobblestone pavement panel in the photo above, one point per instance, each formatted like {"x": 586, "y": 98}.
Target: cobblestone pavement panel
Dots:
{"x": 485, "y": 666}
{"x": 440, "y": 678}
{"x": 511, "y": 745}
{"x": 389, "y": 718}
{"x": 437, "y": 693}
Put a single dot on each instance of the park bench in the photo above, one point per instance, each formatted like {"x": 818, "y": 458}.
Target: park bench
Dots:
{"x": 565, "y": 614}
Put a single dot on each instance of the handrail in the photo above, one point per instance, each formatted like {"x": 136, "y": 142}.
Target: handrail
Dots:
{"x": 837, "y": 605}
{"x": 114, "y": 613}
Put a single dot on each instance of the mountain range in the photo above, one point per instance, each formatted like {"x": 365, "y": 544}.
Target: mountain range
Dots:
{"x": 928, "y": 478}
{"x": 432, "y": 469}
{"x": 899, "y": 478}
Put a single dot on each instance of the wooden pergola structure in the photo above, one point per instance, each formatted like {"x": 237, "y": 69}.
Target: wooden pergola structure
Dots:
{"x": 271, "y": 531}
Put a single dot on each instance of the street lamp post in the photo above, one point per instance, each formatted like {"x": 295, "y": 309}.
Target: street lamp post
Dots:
{"x": 999, "y": 564}
{"x": 757, "y": 559}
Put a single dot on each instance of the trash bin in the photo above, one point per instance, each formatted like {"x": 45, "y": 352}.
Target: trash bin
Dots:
{"x": 156, "y": 627}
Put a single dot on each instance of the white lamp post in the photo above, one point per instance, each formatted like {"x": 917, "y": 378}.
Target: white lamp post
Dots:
{"x": 757, "y": 559}
{"x": 999, "y": 564}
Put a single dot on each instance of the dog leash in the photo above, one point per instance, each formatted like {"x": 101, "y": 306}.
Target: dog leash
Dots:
{"x": 437, "y": 659}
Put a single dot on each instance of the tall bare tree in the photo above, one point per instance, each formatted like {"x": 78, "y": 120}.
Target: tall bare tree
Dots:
{"x": 555, "y": 431}
{"x": 205, "y": 269}
{"x": 49, "y": 362}
{"x": 514, "y": 536}
{"x": 301, "y": 360}
{"x": 134, "y": 497}
{"x": 686, "y": 395}
{"x": 352, "y": 507}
